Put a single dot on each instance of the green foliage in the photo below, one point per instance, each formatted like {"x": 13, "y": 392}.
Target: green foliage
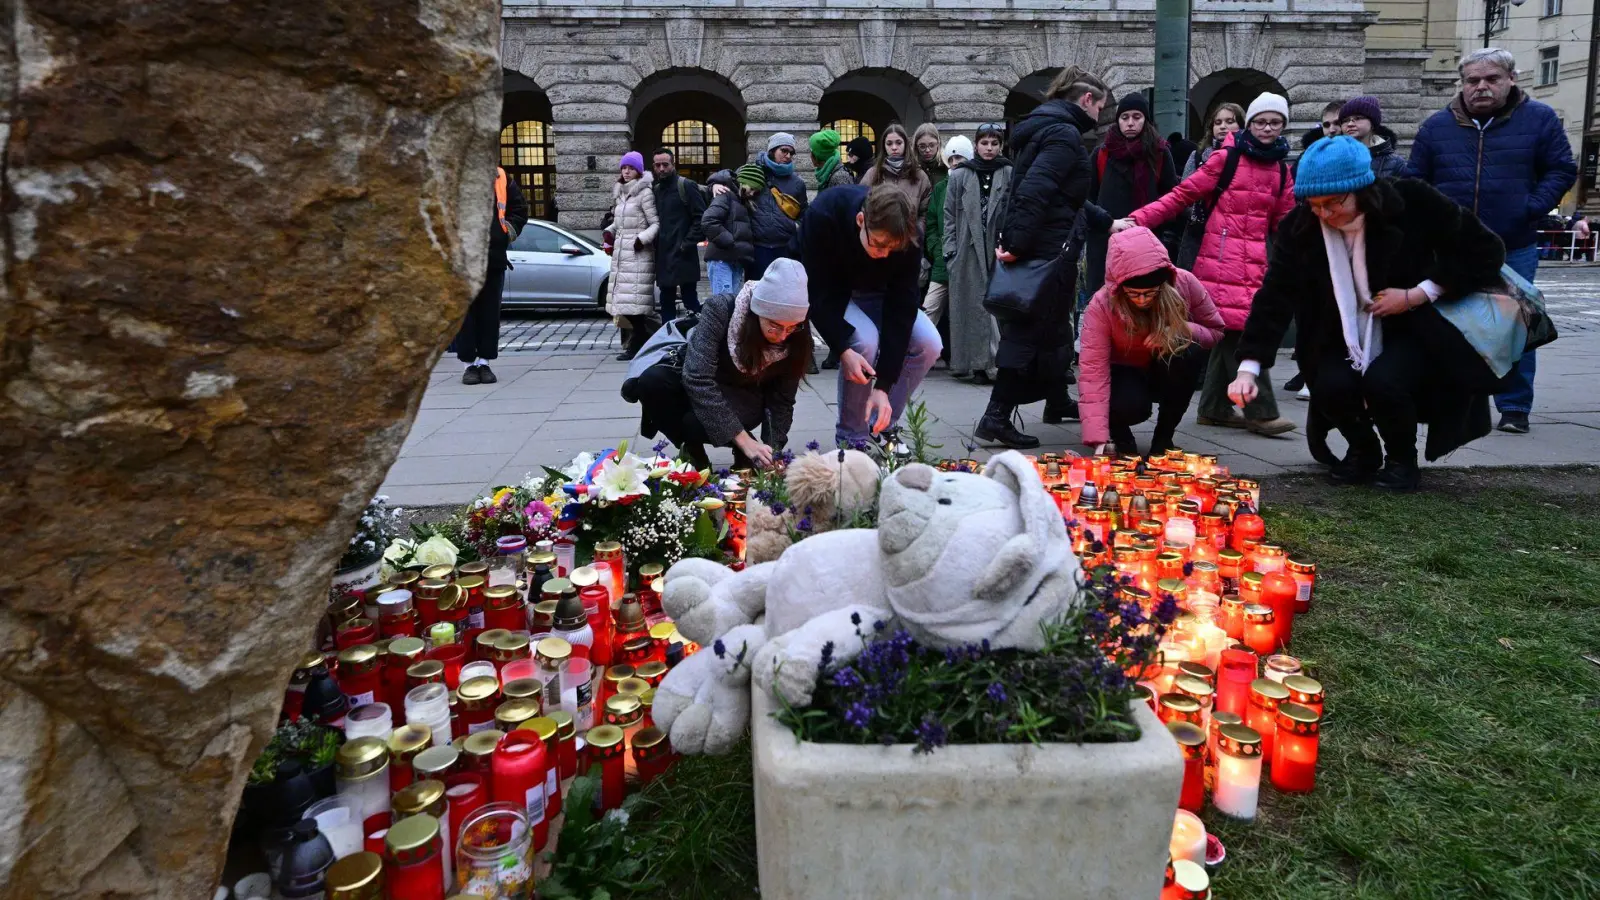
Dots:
{"x": 595, "y": 858}
{"x": 315, "y": 745}
{"x": 918, "y": 427}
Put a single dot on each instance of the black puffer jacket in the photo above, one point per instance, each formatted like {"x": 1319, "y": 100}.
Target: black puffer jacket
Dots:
{"x": 1387, "y": 161}
{"x": 1050, "y": 181}
{"x": 727, "y": 224}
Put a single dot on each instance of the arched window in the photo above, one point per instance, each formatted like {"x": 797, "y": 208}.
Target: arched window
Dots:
{"x": 850, "y": 129}
{"x": 528, "y": 155}
{"x": 697, "y": 147}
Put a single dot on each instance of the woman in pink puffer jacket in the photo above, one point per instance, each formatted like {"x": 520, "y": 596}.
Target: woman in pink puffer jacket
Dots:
{"x": 1258, "y": 192}
{"x": 1143, "y": 341}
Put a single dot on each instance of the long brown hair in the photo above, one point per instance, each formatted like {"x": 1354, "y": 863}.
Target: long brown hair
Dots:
{"x": 909, "y": 168}
{"x": 752, "y": 342}
{"x": 1073, "y": 82}
{"x": 1167, "y": 319}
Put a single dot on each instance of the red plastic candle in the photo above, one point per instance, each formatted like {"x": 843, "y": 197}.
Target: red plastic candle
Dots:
{"x": 1230, "y": 616}
{"x": 1247, "y": 527}
{"x": 413, "y": 862}
{"x": 479, "y": 696}
{"x": 1250, "y": 587}
{"x": 1192, "y": 741}
{"x": 566, "y": 744}
{"x": 1279, "y": 591}
{"x": 1294, "y": 753}
{"x": 1238, "y": 670}
{"x": 549, "y": 730}
{"x": 451, "y": 656}
{"x": 518, "y": 772}
{"x": 1230, "y": 565}
{"x": 503, "y": 608}
{"x": 1262, "y": 714}
{"x": 1304, "y": 573}
{"x": 375, "y": 828}
{"x": 358, "y": 674}
{"x": 1260, "y": 629}
{"x": 606, "y": 750}
{"x": 1305, "y": 691}
{"x": 465, "y": 791}
{"x": 597, "y": 610}
{"x": 426, "y": 597}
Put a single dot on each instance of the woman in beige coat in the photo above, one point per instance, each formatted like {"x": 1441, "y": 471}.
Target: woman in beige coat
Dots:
{"x": 632, "y": 294}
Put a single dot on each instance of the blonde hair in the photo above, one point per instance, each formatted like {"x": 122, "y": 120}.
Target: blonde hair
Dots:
{"x": 1073, "y": 82}
{"x": 1167, "y": 319}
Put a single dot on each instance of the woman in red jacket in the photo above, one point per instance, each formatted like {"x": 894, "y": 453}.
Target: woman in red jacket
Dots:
{"x": 1248, "y": 188}
{"x": 1142, "y": 342}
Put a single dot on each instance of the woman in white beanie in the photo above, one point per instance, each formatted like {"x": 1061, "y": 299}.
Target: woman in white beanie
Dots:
{"x": 742, "y": 367}
{"x": 1248, "y": 190}
{"x": 956, "y": 151}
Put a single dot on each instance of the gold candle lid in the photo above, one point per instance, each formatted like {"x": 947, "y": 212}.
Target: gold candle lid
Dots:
{"x": 512, "y": 713}
{"x": 603, "y": 736}
{"x": 565, "y": 726}
{"x": 360, "y": 658}
{"x": 487, "y": 637}
{"x": 1198, "y": 670}
{"x": 631, "y": 687}
{"x": 425, "y": 670}
{"x": 409, "y": 739}
{"x": 412, "y": 833}
{"x": 362, "y": 757}
{"x": 471, "y": 582}
{"x": 1189, "y": 737}
{"x": 555, "y": 589}
{"x": 1190, "y": 686}
{"x": 310, "y": 661}
{"x": 1258, "y": 613}
{"x": 1239, "y": 740}
{"x": 544, "y": 726}
{"x": 651, "y": 571}
{"x": 583, "y": 576}
{"x": 607, "y": 548}
{"x": 478, "y": 690}
{"x": 1191, "y": 878}
{"x": 554, "y": 649}
{"x": 522, "y": 689}
{"x": 404, "y": 577}
{"x": 407, "y": 647}
{"x": 356, "y": 875}
{"x": 476, "y": 567}
{"x": 1267, "y": 689}
{"x": 512, "y": 643}
{"x": 541, "y": 558}
{"x": 452, "y": 598}
{"x": 651, "y": 670}
{"x": 618, "y": 672}
{"x": 1302, "y": 688}
{"x": 441, "y": 572}
{"x": 1253, "y": 579}
{"x": 483, "y": 743}
{"x": 1178, "y": 703}
{"x": 435, "y": 761}
{"x": 648, "y": 737}
{"x": 419, "y": 797}
{"x": 1222, "y": 717}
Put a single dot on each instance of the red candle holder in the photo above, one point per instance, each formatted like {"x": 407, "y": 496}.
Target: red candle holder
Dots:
{"x": 374, "y": 829}
{"x": 1260, "y": 629}
{"x": 1230, "y": 616}
{"x": 503, "y": 608}
{"x": 451, "y": 656}
{"x": 566, "y": 744}
{"x": 652, "y": 754}
{"x": 465, "y": 792}
{"x": 426, "y": 597}
{"x": 1294, "y": 753}
{"x": 605, "y": 749}
{"x": 1192, "y": 742}
{"x": 518, "y": 777}
{"x": 1247, "y": 527}
{"x": 413, "y": 865}
{"x": 1233, "y": 682}
{"x": 1279, "y": 591}
{"x": 1305, "y": 691}
{"x": 1304, "y": 573}
{"x": 1262, "y": 714}
{"x": 1175, "y": 707}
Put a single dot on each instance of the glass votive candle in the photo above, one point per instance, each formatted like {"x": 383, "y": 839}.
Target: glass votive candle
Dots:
{"x": 651, "y": 753}
{"x": 1279, "y": 666}
{"x": 1238, "y": 779}
{"x": 429, "y": 704}
{"x": 1270, "y": 558}
{"x": 494, "y": 853}
{"x": 479, "y": 697}
{"x": 1260, "y": 629}
{"x": 566, "y": 744}
{"x": 1262, "y": 714}
{"x": 527, "y": 667}
{"x": 1304, "y": 573}
{"x": 1180, "y": 530}
{"x": 1294, "y": 751}
{"x": 603, "y": 745}
{"x": 1188, "y": 838}
{"x": 1236, "y": 672}
{"x": 339, "y": 819}
{"x": 451, "y": 656}
{"x": 1305, "y": 691}
{"x": 405, "y": 743}
{"x": 1192, "y": 743}
{"x": 549, "y": 732}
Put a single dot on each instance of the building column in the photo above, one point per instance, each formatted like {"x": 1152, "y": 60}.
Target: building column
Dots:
{"x": 587, "y": 157}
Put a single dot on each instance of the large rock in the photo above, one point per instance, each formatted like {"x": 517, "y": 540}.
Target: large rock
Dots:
{"x": 236, "y": 237}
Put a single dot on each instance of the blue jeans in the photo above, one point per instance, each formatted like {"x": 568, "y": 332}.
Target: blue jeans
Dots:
{"x": 670, "y": 293}
{"x": 922, "y": 351}
{"x": 1519, "y": 399}
{"x": 726, "y": 277}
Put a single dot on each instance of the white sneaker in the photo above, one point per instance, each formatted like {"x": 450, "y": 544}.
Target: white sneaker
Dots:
{"x": 1303, "y": 394}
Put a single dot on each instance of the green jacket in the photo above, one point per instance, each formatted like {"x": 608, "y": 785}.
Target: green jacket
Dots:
{"x": 933, "y": 237}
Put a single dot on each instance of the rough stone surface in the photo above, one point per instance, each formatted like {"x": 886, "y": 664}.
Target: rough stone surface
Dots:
{"x": 236, "y": 237}
{"x": 1090, "y": 822}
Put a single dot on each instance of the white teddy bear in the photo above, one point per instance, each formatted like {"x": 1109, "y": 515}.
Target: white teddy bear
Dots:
{"x": 957, "y": 558}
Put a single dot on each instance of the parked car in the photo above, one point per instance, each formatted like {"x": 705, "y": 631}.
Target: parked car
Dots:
{"x": 551, "y": 267}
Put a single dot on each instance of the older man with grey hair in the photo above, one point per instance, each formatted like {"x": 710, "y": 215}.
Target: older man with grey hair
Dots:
{"x": 1505, "y": 157}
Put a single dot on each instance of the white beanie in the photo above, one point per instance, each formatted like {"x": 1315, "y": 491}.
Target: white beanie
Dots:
{"x": 781, "y": 293}
{"x": 1268, "y": 103}
{"x": 957, "y": 146}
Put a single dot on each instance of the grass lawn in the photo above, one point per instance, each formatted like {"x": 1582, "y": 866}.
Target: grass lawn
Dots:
{"x": 1461, "y": 748}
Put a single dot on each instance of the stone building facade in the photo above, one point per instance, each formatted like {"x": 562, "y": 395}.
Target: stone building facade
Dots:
{"x": 587, "y": 82}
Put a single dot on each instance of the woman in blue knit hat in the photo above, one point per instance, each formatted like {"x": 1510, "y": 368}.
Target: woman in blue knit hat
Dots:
{"x": 1359, "y": 264}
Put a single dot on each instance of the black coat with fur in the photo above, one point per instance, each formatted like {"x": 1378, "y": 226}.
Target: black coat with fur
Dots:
{"x": 1418, "y": 234}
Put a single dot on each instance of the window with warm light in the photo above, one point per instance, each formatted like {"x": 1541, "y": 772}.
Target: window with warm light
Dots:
{"x": 697, "y": 147}
{"x": 528, "y": 155}
{"x": 850, "y": 129}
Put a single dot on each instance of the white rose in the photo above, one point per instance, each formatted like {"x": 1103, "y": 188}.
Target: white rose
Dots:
{"x": 436, "y": 551}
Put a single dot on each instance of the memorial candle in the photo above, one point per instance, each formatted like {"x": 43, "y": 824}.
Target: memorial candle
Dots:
{"x": 1294, "y": 752}
{"x": 1238, "y": 784}
{"x": 414, "y": 859}
{"x": 1233, "y": 681}
{"x": 1197, "y": 689}
{"x": 1247, "y": 527}
{"x": 1192, "y": 742}
{"x": 1175, "y": 707}
{"x": 1230, "y": 565}
{"x": 429, "y": 797}
{"x": 1262, "y": 713}
{"x": 1278, "y": 591}
{"x": 1268, "y": 558}
{"x": 1260, "y": 631}
{"x": 1188, "y": 837}
{"x": 1218, "y": 719}
{"x": 1189, "y": 882}
{"x": 1305, "y": 691}
{"x": 605, "y": 749}
{"x": 518, "y": 771}
{"x": 1304, "y": 573}
{"x": 1280, "y": 666}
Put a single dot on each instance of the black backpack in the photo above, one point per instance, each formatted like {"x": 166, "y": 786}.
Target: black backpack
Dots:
{"x": 1230, "y": 166}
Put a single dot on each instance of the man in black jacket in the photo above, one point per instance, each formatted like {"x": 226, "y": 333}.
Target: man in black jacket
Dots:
{"x": 862, "y": 265}
{"x": 478, "y": 341}
{"x": 679, "y": 204}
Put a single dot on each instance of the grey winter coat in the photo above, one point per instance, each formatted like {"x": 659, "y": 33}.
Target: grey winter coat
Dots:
{"x": 727, "y": 224}
{"x": 633, "y": 272}
{"x": 726, "y": 400}
{"x": 768, "y": 224}
{"x": 971, "y": 232}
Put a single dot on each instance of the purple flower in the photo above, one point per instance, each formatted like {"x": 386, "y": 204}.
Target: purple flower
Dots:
{"x": 719, "y": 648}
{"x": 855, "y": 618}
{"x": 879, "y": 625}
{"x": 996, "y": 692}
{"x": 847, "y": 678}
{"x": 1188, "y": 569}
{"x": 813, "y": 446}
{"x": 930, "y": 735}
{"x": 659, "y": 446}
{"x": 803, "y": 526}
{"x": 827, "y": 654}
{"x": 785, "y": 457}
{"x": 859, "y": 715}
{"x": 777, "y": 509}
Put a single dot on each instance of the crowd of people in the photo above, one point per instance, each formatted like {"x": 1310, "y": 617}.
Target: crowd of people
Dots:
{"x": 1160, "y": 269}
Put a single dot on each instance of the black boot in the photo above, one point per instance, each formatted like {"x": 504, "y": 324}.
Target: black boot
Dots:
{"x": 1058, "y": 411}
{"x": 1360, "y": 465}
{"x": 832, "y": 361}
{"x": 637, "y": 335}
{"x": 1399, "y": 475}
{"x": 995, "y": 427}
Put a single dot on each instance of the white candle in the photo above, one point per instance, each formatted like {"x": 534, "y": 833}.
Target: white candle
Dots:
{"x": 1238, "y": 784}
{"x": 1188, "y": 838}
{"x": 1180, "y": 531}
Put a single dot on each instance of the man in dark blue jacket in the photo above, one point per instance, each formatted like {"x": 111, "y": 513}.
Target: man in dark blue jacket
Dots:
{"x": 1504, "y": 156}
{"x": 862, "y": 265}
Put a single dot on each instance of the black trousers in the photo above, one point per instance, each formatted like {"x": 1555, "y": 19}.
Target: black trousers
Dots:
{"x": 672, "y": 293}
{"x": 1164, "y": 387}
{"x": 667, "y": 409}
{"x": 1034, "y": 358}
{"x": 479, "y": 337}
{"x": 1339, "y": 395}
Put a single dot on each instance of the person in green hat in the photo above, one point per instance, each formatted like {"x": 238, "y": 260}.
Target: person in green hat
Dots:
{"x": 730, "y": 244}
{"x": 827, "y": 161}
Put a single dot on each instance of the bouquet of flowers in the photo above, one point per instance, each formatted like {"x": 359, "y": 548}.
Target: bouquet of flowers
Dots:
{"x": 378, "y": 526}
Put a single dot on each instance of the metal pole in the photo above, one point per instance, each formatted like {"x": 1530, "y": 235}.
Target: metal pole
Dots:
{"x": 1488, "y": 19}
{"x": 1172, "y": 66}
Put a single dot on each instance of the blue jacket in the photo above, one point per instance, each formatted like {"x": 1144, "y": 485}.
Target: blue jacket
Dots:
{"x": 1510, "y": 173}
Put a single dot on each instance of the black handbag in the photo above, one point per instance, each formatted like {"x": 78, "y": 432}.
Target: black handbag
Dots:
{"x": 1016, "y": 288}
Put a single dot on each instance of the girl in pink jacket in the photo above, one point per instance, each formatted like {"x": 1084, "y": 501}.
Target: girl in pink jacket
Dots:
{"x": 1248, "y": 189}
{"x": 1143, "y": 339}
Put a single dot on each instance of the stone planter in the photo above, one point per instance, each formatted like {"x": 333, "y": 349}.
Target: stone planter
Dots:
{"x": 1090, "y": 821}
{"x": 358, "y": 578}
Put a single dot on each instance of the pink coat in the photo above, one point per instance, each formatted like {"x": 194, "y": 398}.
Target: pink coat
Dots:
{"x": 1105, "y": 337}
{"x": 1233, "y": 255}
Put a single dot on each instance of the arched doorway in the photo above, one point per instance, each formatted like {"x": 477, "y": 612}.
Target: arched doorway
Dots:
{"x": 696, "y": 113}
{"x": 527, "y": 149}
{"x": 1028, "y": 93}
{"x": 873, "y": 98}
{"x": 850, "y": 129}
{"x": 1227, "y": 86}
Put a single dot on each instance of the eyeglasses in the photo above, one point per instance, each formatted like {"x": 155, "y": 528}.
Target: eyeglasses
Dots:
{"x": 777, "y": 330}
{"x": 995, "y": 127}
{"x": 1273, "y": 124}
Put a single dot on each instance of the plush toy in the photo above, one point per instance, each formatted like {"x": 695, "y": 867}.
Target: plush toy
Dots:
{"x": 824, "y": 489}
{"x": 957, "y": 558}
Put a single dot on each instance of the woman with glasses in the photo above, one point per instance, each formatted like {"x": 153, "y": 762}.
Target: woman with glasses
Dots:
{"x": 1248, "y": 190}
{"x": 740, "y": 371}
{"x": 1142, "y": 345}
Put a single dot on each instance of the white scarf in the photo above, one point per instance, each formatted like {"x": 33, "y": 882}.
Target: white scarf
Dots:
{"x": 1347, "y": 265}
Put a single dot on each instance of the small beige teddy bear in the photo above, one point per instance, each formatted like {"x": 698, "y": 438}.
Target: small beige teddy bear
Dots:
{"x": 824, "y": 488}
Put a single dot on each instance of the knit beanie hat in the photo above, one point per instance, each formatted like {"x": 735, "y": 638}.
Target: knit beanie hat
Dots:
{"x": 960, "y": 146}
{"x": 860, "y": 148}
{"x": 1267, "y": 103}
{"x": 781, "y": 293}
{"x": 1362, "y": 106}
{"x": 781, "y": 139}
{"x": 635, "y": 160}
{"x": 1335, "y": 165}
{"x": 825, "y": 143}
{"x": 752, "y": 176}
{"x": 1136, "y": 102}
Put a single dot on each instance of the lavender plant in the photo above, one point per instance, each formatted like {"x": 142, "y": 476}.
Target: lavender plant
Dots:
{"x": 1077, "y": 689}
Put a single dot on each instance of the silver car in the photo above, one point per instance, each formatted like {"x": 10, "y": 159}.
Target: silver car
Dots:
{"x": 552, "y": 267}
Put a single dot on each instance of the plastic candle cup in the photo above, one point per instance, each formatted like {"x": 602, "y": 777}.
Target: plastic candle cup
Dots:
{"x": 1238, "y": 670}
{"x": 1180, "y": 530}
{"x": 1262, "y": 714}
{"x": 518, "y": 778}
{"x": 1304, "y": 573}
{"x": 518, "y": 669}
{"x": 577, "y": 691}
{"x": 1238, "y": 782}
{"x": 1260, "y": 629}
{"x": 1192, "y": 742}
{"x": 370, "y": 720}
{"x": 549, "y": 732}
{"x": 1188, "y": 838}
{"x": 1294, "y": 751}
{"x": 451, "y": 656}
{"x": 1197, "y": 689}
{"x": 1278, "y": 591}
{"x": 604, "y": 745}
{"x": 1230, "y": 616}
{"x": 1189, "y": 882}
{"x": 429, "y": 704}
{"x": 339, "y": 819}
{"x": 429, "y": 797}
{"x": 1175, "y": 707}
{"x": 414, "y": 859}
{"x": 363, "y": 774}
{"x": 567, "y": 744}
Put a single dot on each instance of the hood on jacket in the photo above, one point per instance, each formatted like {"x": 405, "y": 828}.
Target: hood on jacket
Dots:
{"x": 1049, "y": 114}
{"x": 723, "y": 177}
{"x": 1135, "y": 252}
{"x": 1458, "y": 108}
{"x": 1390, "y": 141}
{"x": 630, "y": 188}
